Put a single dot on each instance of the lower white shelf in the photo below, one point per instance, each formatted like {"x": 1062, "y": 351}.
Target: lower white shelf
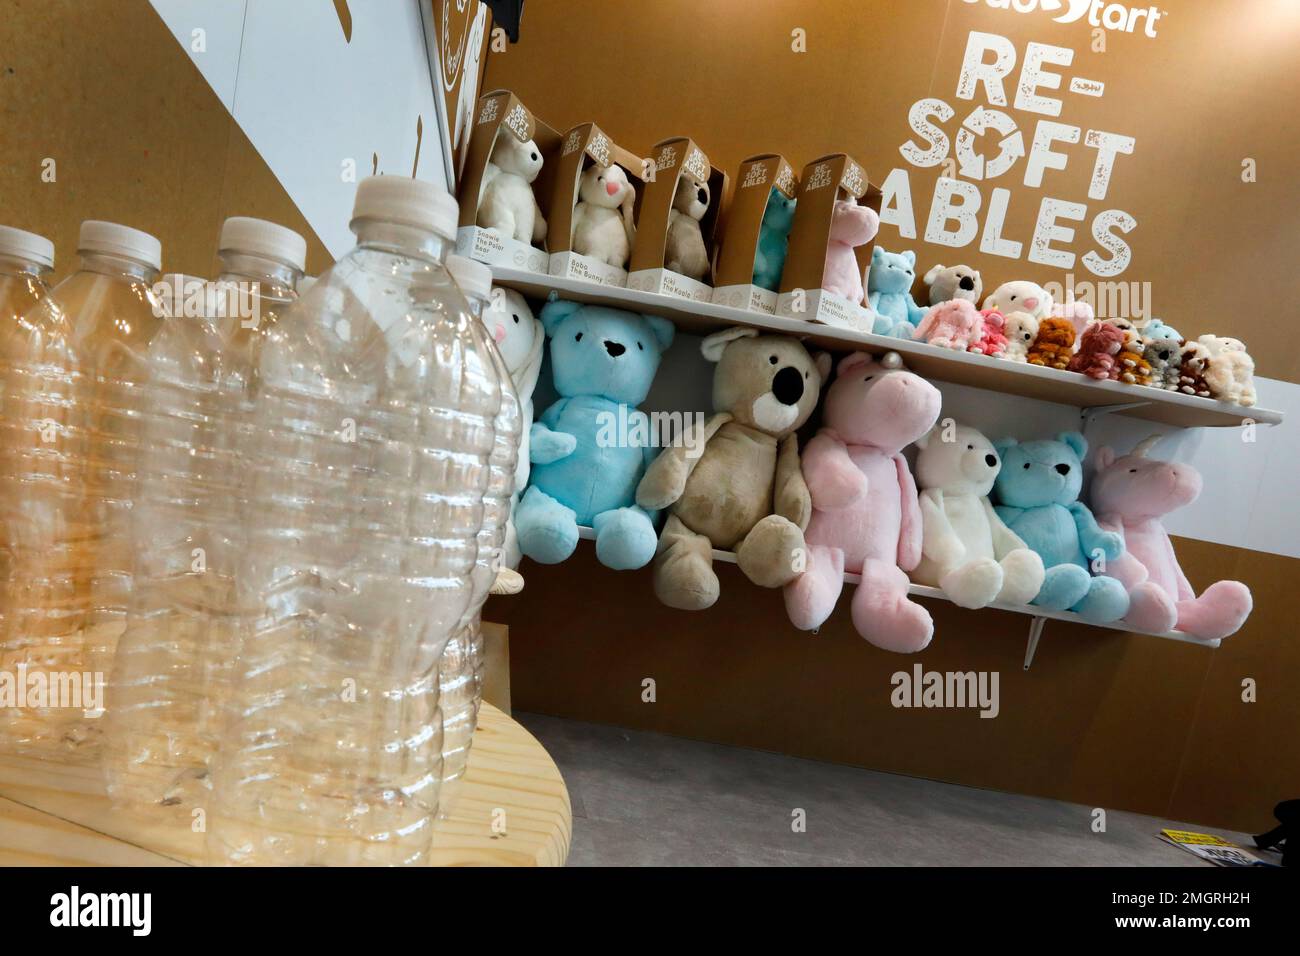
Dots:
{"x": 920, "y": 590}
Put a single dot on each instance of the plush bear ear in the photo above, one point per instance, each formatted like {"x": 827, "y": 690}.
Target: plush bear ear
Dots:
{"x": 823, "y": 362}
{"x": 714, "y": 345}
{"x": 1003, "y": 445}
{"x": 933, "y": 274}
{"x": 910, "y": 256}
{"x": 556, "y": 311}
{"x": 1076, "y": 441}
{"x": 1105, "y": 457}
{"x": 663, "y": 329}
{"x": 877, "y": 254}
{"x": 851, "y": 361}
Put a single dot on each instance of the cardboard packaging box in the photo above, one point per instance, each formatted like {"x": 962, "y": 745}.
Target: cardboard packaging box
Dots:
{"x": 500, "y": 113}
{"x": 585, "y": 146}
{"x": 648, "y": 271}
{"x": 755, "y": 180}
{"x": 824, "y": 180}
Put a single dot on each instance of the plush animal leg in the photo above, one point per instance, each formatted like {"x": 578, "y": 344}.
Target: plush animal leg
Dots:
{"x": 810, "y": 598}
{"x": 1105, "y": 602}
{"x": 770, "y": 553}
{"x": 497, "y": 215}
{"x": 548, "y": 531}
{"x": 883, "y": 614}
{"x": 1064, "y": 586}
{"x": 1220, "y": 610}
{"x": 684, "y": 575}
{"x": 1022, "y": 576}
{"x": 974, "y": 584}
{"x": 625, "y": 538}
{"x": 1150, "y": 608}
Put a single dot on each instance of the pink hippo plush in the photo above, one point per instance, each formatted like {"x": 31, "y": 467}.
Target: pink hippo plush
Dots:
{"x": 851, "y": 226}
{"x": 1130, "y": 495}
{"x": 955, "y": 324}
{"x": 866, "y": 517}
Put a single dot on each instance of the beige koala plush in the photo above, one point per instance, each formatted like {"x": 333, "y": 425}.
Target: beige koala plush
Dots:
{"x": 506, "y": 201}
{"x": 684, "y": 250}
{"x": 735, "y": 483}
{"x": 1021, "y": 329}
{"x": 602, "y": 219}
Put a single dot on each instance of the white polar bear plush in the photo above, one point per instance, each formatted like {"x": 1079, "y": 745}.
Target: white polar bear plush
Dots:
{"x": 519, "y": 337}
{"x": 1231, "y": 371}
{"x": 1021, "y": 296}
{"x": 684, "y": 250}
{"x": 602, "y": 219}
{"x": 506, "y": 201}
{"x": 965, "y": 547}
{"x": 1021, "y": 329}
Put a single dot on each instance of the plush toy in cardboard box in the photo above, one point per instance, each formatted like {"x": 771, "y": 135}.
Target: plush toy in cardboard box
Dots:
{"x": 593, "y": 208}
{"x": 506, "y": 185}
{"x": 866, "y": 517}
{"x": 603, "y": 362}
{"x": 673, "y": 252}
{"x": 756, "y": 234}
{"x": 835, "y": 223}
{"x": 737, "y": 485}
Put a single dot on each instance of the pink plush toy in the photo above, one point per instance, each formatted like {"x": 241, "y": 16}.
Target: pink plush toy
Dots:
{"x": 1129, "y": 495}
{"x": 1080, "y": 314}
{"x": 994, "y": 340}
{"x": 955, "y": 324}
{"x": 851, "y": 226}
{"x": 866, "y": 518}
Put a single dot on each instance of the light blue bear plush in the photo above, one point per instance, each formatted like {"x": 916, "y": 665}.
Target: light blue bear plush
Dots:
{"x": 1156, "y": 329}
{"x": 889, "y": 293}
{"x": 591, "y": 447}
{"x": 773, "y": 240}
{"x": 1037, "y": 495}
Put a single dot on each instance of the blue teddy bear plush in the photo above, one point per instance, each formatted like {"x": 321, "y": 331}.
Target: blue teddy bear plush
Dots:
{"x": 773, "y": 240}
{"x": 889, "y": 293}
{"x": 591, "y": 447}
{"x": 1037, "y": 495}
{"x": 1156, "y": 329}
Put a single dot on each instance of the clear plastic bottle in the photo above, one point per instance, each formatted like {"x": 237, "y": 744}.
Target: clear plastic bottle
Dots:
{"x": 77, "y": 396}
{"x": 171, "y": 674}
{"x": 461, "y": 668}
{"x": 372, "y": 431}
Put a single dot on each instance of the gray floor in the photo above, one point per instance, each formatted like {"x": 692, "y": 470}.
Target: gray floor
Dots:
{"x": 647, "y": 799}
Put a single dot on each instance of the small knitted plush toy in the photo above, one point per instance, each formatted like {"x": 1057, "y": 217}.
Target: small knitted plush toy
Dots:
{"x": 1196, "y": 362}
{"x": 994, "y": 342}
{"x": 1054, "y": 344}
{"x": 1166, "y": 360}
{"x": 1131, "y": 366}
{"x": 1098, "y": 351}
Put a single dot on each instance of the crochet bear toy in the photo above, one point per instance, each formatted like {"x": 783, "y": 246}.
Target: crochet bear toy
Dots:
{"x": 684, "y": 249}
{"x": 1021, "y": 296}
{"x": 1021, "y": 329}
{"x": 1037, "y": 495}
{"x": 602, "y": 219}
{"x": 866, "y": 518}
{"x": 602, "y": 362}
{"x": 1165, "y": 359}
{"x": 889, "y": 293}
{"x": 965, "y": 547}
{"x": 737, "y": 485}
{"x": 1053, "y": 345}
{"x": 851, "y": 226}
{"x": 954, "y": 282}
{"x": 774, "y": 241}
{"x": 1131, "y": 494}
{"x": 993, "y": 341}
{"x": 1231, "y": 372}
{"x": 952, "y": 325}
{"x": 506, "y": 201}
{"x": 1098, "y": 355}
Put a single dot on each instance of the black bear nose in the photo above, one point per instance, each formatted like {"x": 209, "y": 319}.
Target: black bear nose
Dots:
{"x": 967, "y": 284}
{"x": 1063, "y": 469}
{"x": 787, "y": 386}
{"x": 534, "y": 155}
{"x": 703, "y": 196}
{"x": 615, "y": 348}
{"x": 990, "y": 460}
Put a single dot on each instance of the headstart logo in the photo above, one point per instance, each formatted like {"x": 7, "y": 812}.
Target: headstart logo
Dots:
{"x": 1099, "y": 13}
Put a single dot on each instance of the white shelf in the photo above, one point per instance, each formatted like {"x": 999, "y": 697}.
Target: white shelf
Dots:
{"x": 945, "y": 365}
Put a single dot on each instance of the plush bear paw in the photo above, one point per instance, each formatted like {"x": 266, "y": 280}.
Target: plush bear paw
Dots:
{"x": 883, "y": 614}
{"x": 974, "y": 584}
{"x": 1220, "y": 611}
{"x": 1105, "y": 602}
{"x": 1064, "y": 586}
{"x": 1022, "y": 576}
{"x": 625, "y": 539}
{"x": 686, "y": 581}
{"x": 547, "y": 531}
{"x": 770, "y": 554}
{"x": 1150, "y": 608}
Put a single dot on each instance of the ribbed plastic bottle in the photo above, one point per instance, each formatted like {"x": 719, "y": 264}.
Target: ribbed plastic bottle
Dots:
{"x": 461, "y": 668}
{"x": 25, "y": 260}
{"x": 78, "y": 398}
{"x": 171, "y": 674}
{"x": 372, "y": 432}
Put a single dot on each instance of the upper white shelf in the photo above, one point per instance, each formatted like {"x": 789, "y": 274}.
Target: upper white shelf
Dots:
{"x": 945, "y": 365}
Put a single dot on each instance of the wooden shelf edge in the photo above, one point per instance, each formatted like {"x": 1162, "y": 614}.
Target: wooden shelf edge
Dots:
{"x": 946, "y": 365}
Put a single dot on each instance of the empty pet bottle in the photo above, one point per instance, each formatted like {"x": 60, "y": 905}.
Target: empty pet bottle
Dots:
{"x": 372, "y": 429}
{"x": 76, "y": 400}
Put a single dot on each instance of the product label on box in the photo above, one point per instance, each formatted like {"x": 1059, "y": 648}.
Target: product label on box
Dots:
{"x": 827, "y": 308}
{"x": 667, "y": 282}
{"x": 488, "y": 245}
{"x": 572, "y": 265}
{"x": 750, "y": 297}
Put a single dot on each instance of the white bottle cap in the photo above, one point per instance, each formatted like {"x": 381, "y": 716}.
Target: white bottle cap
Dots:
{"x": 26, "y": 246}
{"x": 411, "y": 202}
{"x": 115, "y": 240}
{"x": 474, "y": 278}
{"x": 261, "y": 238}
